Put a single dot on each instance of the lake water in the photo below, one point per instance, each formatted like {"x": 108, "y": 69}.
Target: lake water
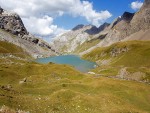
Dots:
{"x": 77, "y": 62}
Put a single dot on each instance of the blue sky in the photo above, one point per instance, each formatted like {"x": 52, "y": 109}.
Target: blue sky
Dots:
{"x": 49, "y": 18}
{"x": 115, "y": 7}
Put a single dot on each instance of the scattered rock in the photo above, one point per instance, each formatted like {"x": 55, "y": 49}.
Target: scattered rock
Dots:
{"x": 92, "y": 73}
{"x": 137, "y": 76}
{"x": 7, "y": 87}
{"x": 5, "y": 109}
{"x": 116, "y": 51}
{"x": 103, "y": 62}
{"x": 123, "y": 73}
{"x": 23, "y": 81}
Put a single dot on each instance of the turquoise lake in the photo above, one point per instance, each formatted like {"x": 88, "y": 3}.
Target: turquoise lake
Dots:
{"x": 75, "y": 61}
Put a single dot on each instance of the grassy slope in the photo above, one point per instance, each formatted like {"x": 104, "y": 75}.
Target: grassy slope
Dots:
{"x": 8, "y": 48}
{"x": 86, "y": 45}
{"x": 136, "y": 58}
{"x": 61, "y": 89}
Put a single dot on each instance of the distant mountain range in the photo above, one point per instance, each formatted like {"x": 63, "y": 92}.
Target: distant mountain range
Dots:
{"x": 83, "y": 39}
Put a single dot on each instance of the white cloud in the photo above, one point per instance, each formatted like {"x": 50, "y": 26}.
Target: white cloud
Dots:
{"x": 38, "y": 15}
{"x": 136, "y": 5}
{"x": 39, "y": 25}
{"x": 85, "y": 9}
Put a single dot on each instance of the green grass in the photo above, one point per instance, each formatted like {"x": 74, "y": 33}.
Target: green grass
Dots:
{"x": 137, "y": 56}
{"x": 8, "y": 48}
{"x": 53, "y": 88}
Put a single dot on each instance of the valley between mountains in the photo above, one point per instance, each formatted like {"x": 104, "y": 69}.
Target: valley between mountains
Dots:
{"x": 120, "y": 83}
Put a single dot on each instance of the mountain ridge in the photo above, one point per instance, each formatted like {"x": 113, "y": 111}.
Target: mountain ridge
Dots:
{"x": 121, "y": 29}
{"x": 125, "y": 26}
{"x": 69, "y": 41}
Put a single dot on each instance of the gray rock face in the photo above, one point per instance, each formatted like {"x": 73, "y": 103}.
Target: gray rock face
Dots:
{"x": 93, "y": 30}
{"x": 146, "y": 4}
{"x": 12, "y": 23}
{"x": 70, "y": 40}
{"x": 104, "y": 26}
{"x": 127, "y": 16}
{"x": 120, "y": 27}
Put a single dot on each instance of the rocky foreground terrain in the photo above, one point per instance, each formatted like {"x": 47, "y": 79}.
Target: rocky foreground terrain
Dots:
{"x": 13, "y": 30}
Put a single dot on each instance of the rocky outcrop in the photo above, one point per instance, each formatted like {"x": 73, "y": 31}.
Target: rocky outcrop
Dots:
{"x": 136, "y": 76}
{"x": 23, "y": 81}
{"x": 117, "y": 51}
{"x": 12, "y": 23}
{"x": 12, "y": 26}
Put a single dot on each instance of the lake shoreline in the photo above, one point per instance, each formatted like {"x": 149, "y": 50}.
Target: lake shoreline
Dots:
{"x": 74, "y": 60}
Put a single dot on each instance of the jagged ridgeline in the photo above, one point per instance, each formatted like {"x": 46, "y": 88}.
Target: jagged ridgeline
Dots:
{"x": 83, "y": 39}
{"x": 13, "y": 30}
{"x": 81, "y": 36}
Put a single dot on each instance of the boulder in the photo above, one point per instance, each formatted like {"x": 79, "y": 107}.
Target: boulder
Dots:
{"x": 23, "y": 81}
{"x": 92, "y": 73}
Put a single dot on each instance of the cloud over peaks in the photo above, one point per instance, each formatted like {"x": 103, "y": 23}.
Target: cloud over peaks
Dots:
{"x": 39, "y": 15}
{"x": 136, "y": 5}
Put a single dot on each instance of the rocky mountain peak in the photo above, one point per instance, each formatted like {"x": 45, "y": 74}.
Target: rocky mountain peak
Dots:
{"x": 103, "y": 26}
{"x": 93, "y": 30}
{"x": 12, "y": 23}
{"x": 127, "y": 16}
{"x": 78, "y": 27}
